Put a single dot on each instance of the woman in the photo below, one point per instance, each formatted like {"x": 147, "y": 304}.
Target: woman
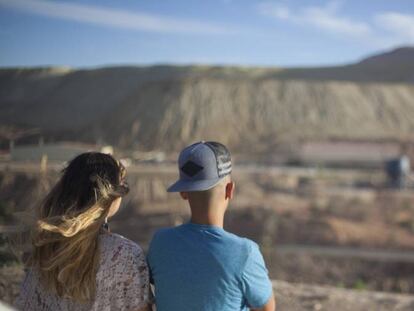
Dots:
{"x": 76, "y": 264}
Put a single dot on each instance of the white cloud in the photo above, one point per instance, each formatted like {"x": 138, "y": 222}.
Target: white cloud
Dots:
{"x": 325, "y": 18}
{"x": 275, "y": 10}
{"x": 331, "y": 22}
{"x": 123, "y": 19}
{"x": 400, "y": 25}
{"x": 382, "y": 29}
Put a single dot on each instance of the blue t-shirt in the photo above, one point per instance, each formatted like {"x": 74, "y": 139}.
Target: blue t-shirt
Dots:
{"x": 201, "y": 267}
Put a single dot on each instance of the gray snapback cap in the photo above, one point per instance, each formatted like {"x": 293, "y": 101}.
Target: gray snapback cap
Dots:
{"x": 202, "y": 165}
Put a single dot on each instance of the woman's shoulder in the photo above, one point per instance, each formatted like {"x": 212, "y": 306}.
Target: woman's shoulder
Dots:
{"x": 119, "y": 259}
{"x": 117, "y": 239}
{"x": 117, "y": 247}
{"x": 123, "y": 275}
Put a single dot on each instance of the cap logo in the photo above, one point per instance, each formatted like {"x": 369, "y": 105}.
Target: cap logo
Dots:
{"x": 191, "y": 169}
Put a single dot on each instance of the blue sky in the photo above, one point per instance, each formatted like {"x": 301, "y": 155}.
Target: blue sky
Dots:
{"x": 240, "y": 32}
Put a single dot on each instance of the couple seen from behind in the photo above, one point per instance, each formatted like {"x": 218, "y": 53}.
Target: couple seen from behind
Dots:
{"x": 77, "y": 264}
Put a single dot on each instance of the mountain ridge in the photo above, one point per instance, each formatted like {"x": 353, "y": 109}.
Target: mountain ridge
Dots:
{"x": 165, "y": 107}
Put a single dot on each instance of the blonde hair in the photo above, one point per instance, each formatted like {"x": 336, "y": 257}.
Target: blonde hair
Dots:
{"x": 65, "y": 237}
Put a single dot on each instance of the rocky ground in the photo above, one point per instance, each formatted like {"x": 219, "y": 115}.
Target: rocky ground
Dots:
{"x": 297, "y": 297}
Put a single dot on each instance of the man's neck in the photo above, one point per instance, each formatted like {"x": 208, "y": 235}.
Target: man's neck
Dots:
{"x": 207, "y": 217}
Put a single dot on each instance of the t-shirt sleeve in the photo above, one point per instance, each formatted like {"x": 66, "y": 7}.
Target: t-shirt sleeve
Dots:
{"x": 132, "y": 288}
{"x": 255, "y": 280}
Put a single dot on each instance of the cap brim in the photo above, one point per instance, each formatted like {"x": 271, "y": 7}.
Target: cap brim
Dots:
{"x": 188, "y": 186}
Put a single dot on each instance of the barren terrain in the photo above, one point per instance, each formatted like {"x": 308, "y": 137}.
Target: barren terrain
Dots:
{"x": 333, "y": 227}
{"x": 258, "y": 110}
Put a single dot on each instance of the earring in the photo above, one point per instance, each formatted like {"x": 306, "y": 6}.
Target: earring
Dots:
{"x": 106, "y": 225}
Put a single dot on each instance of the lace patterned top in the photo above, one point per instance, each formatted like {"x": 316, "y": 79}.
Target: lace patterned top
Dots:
{"x": 122, "y": 281}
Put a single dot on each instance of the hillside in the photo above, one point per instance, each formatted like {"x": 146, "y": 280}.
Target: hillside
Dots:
{"x": 165, "y": 107}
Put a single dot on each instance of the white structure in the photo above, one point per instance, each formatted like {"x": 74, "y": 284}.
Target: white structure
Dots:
{"x": 58, "y": 152}
{"x": 348, "y": 153}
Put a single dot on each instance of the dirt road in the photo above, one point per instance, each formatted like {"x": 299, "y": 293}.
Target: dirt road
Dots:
{"x": 383, "y": 255}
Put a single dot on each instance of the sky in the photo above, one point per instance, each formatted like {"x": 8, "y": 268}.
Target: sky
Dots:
{"x": 277, "y": 33}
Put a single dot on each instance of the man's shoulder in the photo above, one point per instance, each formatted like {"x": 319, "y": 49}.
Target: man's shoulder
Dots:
{"x": 164, "y": 232}
{"x": 163, "y": 235}
{"x": 243, "y": 242}
{"x": 234, "y": 243}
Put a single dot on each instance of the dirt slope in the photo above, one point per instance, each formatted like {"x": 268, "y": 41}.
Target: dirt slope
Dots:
{"x": 164, "y": 107}
{"x": 260, "y": 114}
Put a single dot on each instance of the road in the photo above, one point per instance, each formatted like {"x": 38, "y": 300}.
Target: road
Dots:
{"x": 172, "y": 168}
{"x": 384, "y": 255}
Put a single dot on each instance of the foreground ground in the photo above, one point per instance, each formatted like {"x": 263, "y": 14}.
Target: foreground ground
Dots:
{"x": 290, "y": 296}
{"x": 339, "y": 228}
{"x": 297, "y": 297}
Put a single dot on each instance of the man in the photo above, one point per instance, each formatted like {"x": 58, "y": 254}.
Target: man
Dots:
{"x": 198, "y": 265}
